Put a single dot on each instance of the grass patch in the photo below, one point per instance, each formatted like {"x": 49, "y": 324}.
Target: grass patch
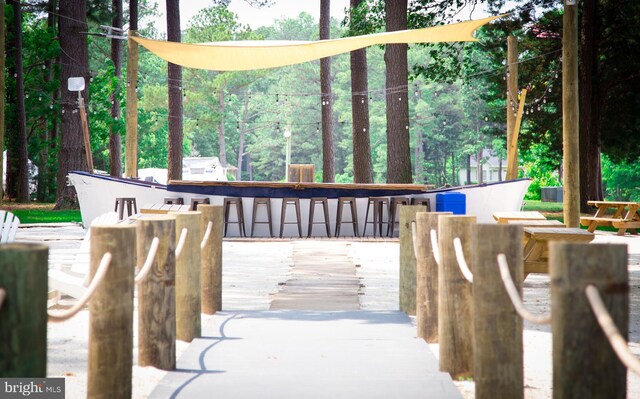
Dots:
{"x": 42, "y": 213}
{"x": 532, "y": 205}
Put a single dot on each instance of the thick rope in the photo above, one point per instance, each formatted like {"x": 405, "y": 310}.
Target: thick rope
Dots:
{"x": 207, "y": 234}
{"x": 151, "y": 256}
{"x": 512, "y": 291}
{"x": 609, "y": 328}
{"x": 414, "y": 235}
{"x": 97, "y": 279}
{"x": 434, "y": 246}
{"x": 3, "y": 294}
{"x": 462, "y": 262}
{"x": 181, "y": 241}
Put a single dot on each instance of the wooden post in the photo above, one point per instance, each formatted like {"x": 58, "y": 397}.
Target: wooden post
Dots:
{"x": 157, "y": 294}
{"x": 3, "y": 91}
{"x": 211, "y": 258}
{"x": 570, "y": 116}
{"x": 188, "y": 286}
{"x": 111, "y": 313}
{"x": 455, "y": 307}
{"x": 497, "y": 344}
{"x": 427, "y": 277}
{"x": 512, "y": 90}
{"x": 23, "y": 314}
{"x": 408, "y": 258}
{"x": 85, "y": 132}
{"x": 512, "y": 155}
{"x": 584, "y": 364}
{"x": 131, "y": 140}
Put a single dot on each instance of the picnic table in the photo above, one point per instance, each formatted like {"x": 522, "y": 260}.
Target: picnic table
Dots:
{"x": 537, "y": 223}
{"x": 536, "y": 248}
{"x": 163, "y": 208}
{"x": 506, "y": 217}
{"x": 625, "y": 216}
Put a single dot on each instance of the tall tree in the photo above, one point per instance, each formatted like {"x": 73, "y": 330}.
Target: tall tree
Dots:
{"x": 115, "y": 140}
{"x": 74, "y": 60}
{"x": 19, "y": 169}
{"x": 362, "y": 171}
{"x": 2, "y": 96}
{"x": 174, "y": 75}
{"x": 328, "y": 172}
{"x": 395, "y": 56}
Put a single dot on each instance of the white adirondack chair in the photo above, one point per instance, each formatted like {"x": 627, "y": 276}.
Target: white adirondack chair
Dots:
{"x": 73, "y": 279}
{"x": 8, "y": 226}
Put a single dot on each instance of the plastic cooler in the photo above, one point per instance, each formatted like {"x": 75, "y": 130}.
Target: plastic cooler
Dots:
{"x": 453, "y": 202}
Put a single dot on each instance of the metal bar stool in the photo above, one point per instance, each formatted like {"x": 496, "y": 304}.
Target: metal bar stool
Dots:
{"x": 239, "y": 213}
{"x": 174, "y": 200}
{"x": 198, "y": 200}
{"x": 325, "y": 206}
{"x": 421, "y": 201}
{"x": 379, "y": 205}
{"x": 130, "y": 203}
{"x": 283, "y": 214}
{"x": 351, "y": 201}
{"x": 267, "y": 203}
{"x": 393, "y": 210}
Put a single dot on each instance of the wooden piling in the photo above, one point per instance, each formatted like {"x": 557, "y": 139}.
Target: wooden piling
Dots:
{"x": 455, "y": 307}
{"x": 111, "y": 313}
{"x": 188, "y": 286}
{"x": 211, "y": 258}
{"x": 497, "y": 348}
{"x": 23, "y": 314}
{"x": 408, "y": 258}
{"x": 426, "y": 277}
{"x": 157, "y": 294}
{"x": 584, "y": 364}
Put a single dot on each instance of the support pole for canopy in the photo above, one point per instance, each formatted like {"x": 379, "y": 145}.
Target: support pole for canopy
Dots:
{"x": 85, "y": 131}
{"x": 570, "y": 113}
{"x": 131, "y": 140}
{"x": 512, "y": 154}
{"x": 512, "y": 89}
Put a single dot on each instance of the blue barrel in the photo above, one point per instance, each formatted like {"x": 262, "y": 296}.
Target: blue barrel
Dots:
{"x": 453, "y": 202}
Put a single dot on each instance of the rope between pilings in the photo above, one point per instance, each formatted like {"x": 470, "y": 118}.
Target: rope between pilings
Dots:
{"x": 414, "y": 235}
{"x": 151, "y": 256}
{"x": 181, "y": 241}
{"x": 462, "y": 262}
{"x": 207, "y": 235}
{"x": 3, "y": 294}
{"x": 434, "y": 246}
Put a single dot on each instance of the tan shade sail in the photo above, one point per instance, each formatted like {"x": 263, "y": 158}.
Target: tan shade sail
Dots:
{"x": 250, "y": 55}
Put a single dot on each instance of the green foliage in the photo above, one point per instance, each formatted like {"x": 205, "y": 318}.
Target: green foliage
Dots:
{"x": 47, "y": 216}
{"x": 538, "y": 167}
{"x": 620, "y": 180}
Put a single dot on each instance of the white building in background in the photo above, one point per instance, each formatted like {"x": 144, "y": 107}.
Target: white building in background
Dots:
{"x": 491, "y": 169}
{"x": 193, "y": 168}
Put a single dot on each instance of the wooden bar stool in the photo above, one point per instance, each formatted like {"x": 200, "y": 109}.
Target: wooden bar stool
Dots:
{"x": 129, "y": 202}
{"x": 285, "y": 202}
{"x": 174, "y": 200}
{"x": 351, "y": 201}
{"x": 325, "y": 207}
{"x": 421, "y": 201}
{"x": 379, "y": 205}
{"x": 239, "y": 214}
{"x": 198, "y": 200}
{"x": 267, "y": 203}
{"x": 393, "y": 210}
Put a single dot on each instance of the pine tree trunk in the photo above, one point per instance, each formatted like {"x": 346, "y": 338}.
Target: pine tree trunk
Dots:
{"x": 175, "y": 96}
{"x": 222, "y": 155}
{"x": 115, "y": 140}
{"x": 2, "y": 95}
{"x": 243, "y": 129}
{"x": 328, "y": 172}
{"x": 395, "y": 56}
{"x": 590, "y": 167}
{"x": 74, "y": 60}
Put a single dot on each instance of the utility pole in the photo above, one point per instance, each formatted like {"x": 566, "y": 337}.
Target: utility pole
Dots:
{"x": 512, "y": 98}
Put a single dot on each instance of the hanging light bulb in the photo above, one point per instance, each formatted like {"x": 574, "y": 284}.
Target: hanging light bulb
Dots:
{"x": 486, "y": 118}
{"x": 362, "y": 100}
{"x": 39, "y": 98}
{"x": 44, "y": 66}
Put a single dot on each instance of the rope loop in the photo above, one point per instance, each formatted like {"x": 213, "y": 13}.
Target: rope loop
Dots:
{"x": 3, "y": 294}
{"x": 512, "y": 291}
{"x": 434, "y": 246}
{"x": 181, "y": 241}
{"x": 617, "y": 341}
{"x": 56, "y": 317}
{"x": 462, "y": 262}
{"x": 207, "y": 235}
{"x": 414, "y": 235}
{"x": 151, "y": 256}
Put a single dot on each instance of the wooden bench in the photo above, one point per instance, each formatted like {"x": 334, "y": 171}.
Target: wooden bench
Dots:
{"x": 506, "y": 217}
{"x": 536, "y": 248}
{"x": 164, "y": 208}
{"x": 537, "y": 223}
{"x": 624, "y": 216}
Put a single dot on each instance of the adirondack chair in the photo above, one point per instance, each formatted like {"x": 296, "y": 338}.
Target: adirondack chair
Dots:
{"x": 8, "y": 226}
{"x": 72, "y": 279}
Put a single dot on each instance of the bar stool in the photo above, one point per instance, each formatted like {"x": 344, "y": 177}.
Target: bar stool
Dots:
{"x": 325, "y": 206}
{"x": 267, "y": 203}
{"x": 351, "y": 201}
{"x": 174, "y": 200}
{"x": 198, "y": 200}
{"x": 421, "y": 201}
{"x": 239, "y": 213}
{"x": 393, "y": 209}
{"x": 130, "y": 203}
{"x": 285, "y": 203}
{"x": 379, "y": 204}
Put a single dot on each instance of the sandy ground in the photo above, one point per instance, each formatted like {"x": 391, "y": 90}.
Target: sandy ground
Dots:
{"x": 248, "y": 285}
